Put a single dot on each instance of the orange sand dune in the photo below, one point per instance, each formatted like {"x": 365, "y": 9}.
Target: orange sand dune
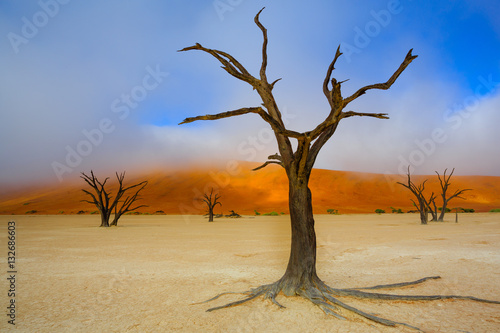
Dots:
{"x": 245, "y": 191}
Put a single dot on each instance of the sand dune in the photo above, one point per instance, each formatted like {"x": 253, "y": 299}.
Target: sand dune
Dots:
{"x": 242, "y": 190}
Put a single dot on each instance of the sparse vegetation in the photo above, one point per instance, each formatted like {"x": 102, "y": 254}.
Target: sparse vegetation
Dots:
{"x": 379, "y": 211}
{"x": 447, "y": 210}
{"x": 397, "y": 210}
{"x": 271, "y": 214}
{"x": 495, "y": 210}
{"x": 256, "y": 212}
{"x": 332, "y": 211}
{"x": 33, "y": 211}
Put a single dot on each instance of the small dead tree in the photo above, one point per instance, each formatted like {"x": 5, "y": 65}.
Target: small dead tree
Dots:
{"x": 422, "y": 204}
{"x": 126, "y": 204}
{"x": 300, "y": 277}
{"x": 105, "y": 202}
{"x": 211, "y": 201}
{"x": 445, "y": 183}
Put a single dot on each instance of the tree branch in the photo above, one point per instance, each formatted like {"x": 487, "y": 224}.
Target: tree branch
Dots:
{"x": 267, "y": 163}
{"x": 263, "y": 67}
{"x": 272, "y": 157}
{"x": 230, "y": 64}
{"x": 348, "y": 114}
{"x": 328, "y": 76}
{"x": 383, "y": 86}
{"x": 276, "y": 126}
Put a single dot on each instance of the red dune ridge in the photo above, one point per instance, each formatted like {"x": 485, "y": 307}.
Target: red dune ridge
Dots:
{"x": 266, "y": 190}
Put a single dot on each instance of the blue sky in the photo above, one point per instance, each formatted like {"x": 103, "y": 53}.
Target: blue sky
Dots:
{"x": 100, "y": 85}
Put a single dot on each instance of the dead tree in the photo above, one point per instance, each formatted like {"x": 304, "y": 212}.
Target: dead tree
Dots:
{"x": 233, "y": 214}
{"x": 211, "y": 202}
{"x": 126, "y": 204}
{"x": 433, "y": 209}
{"x": 105, "y": 202}
{"x": 445, "y": 183}
{"x": 422, "y": 204}
{"x": 300, "y": 277}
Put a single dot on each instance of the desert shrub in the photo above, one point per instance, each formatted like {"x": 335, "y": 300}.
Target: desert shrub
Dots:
{"x": 332, "y": 211}
{"x": 256, "y": 212}
{"x": 31, "y": 211}
{"x": 495, "y": 210}
{"x": 271, "y": 214}
{"x": 95, "y": 212}
{"x": 468, "y": 210}
{"x": 447, "y": 209}
{"x": 61, "y": 212}
{"x": 379, "y": 211}
{"x": 26, "y": 203}
{"x": 397, "y": 210}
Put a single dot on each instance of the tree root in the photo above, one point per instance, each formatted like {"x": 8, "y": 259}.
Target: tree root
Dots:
{"x": 324, "y": 296}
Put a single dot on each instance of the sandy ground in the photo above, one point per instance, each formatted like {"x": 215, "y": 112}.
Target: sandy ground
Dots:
{"x": 142, "y": 276}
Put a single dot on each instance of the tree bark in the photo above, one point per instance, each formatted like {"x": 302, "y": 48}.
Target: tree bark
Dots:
{"x": 301, "y": 269}
{"x": 104, "y": 220}
{"x": 424, "y": 216}
{"x": 210, "y": 214}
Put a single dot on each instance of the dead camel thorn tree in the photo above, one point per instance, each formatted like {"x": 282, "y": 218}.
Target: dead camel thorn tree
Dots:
{"x": 422, "y": 204}
{"x": 105, "y": 202}
{"x": 300, "y": 277}
{"x": 211, "y": 201}
{"x": 445, "y": 183}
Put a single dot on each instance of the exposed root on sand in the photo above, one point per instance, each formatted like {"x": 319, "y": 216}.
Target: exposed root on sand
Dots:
{"x": 324, "y": 296}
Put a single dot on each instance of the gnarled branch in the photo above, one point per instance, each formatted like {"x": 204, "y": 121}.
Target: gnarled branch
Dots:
{"x": 328, "y": 78}
{"x": 271, "y": 157}
{"x": 276, "y": 126}
{"x": 386, "y": 85}
{"x": 263, "y": 67}
{"x": 348, "y": 114}
{"x": 230, "y": 64}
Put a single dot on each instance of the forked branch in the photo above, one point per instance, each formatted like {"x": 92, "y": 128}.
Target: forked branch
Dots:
{"x": 386, "y": 85}
{"x": 277, "y": 157}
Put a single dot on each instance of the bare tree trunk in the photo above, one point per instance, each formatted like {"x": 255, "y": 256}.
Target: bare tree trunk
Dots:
{"x": 441, "y": 215}
{"x": 301, "y": 269}
{"x": 424, "y": 217}
{"x": 116, "y": 217}
{"x": 104, "y": 220}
